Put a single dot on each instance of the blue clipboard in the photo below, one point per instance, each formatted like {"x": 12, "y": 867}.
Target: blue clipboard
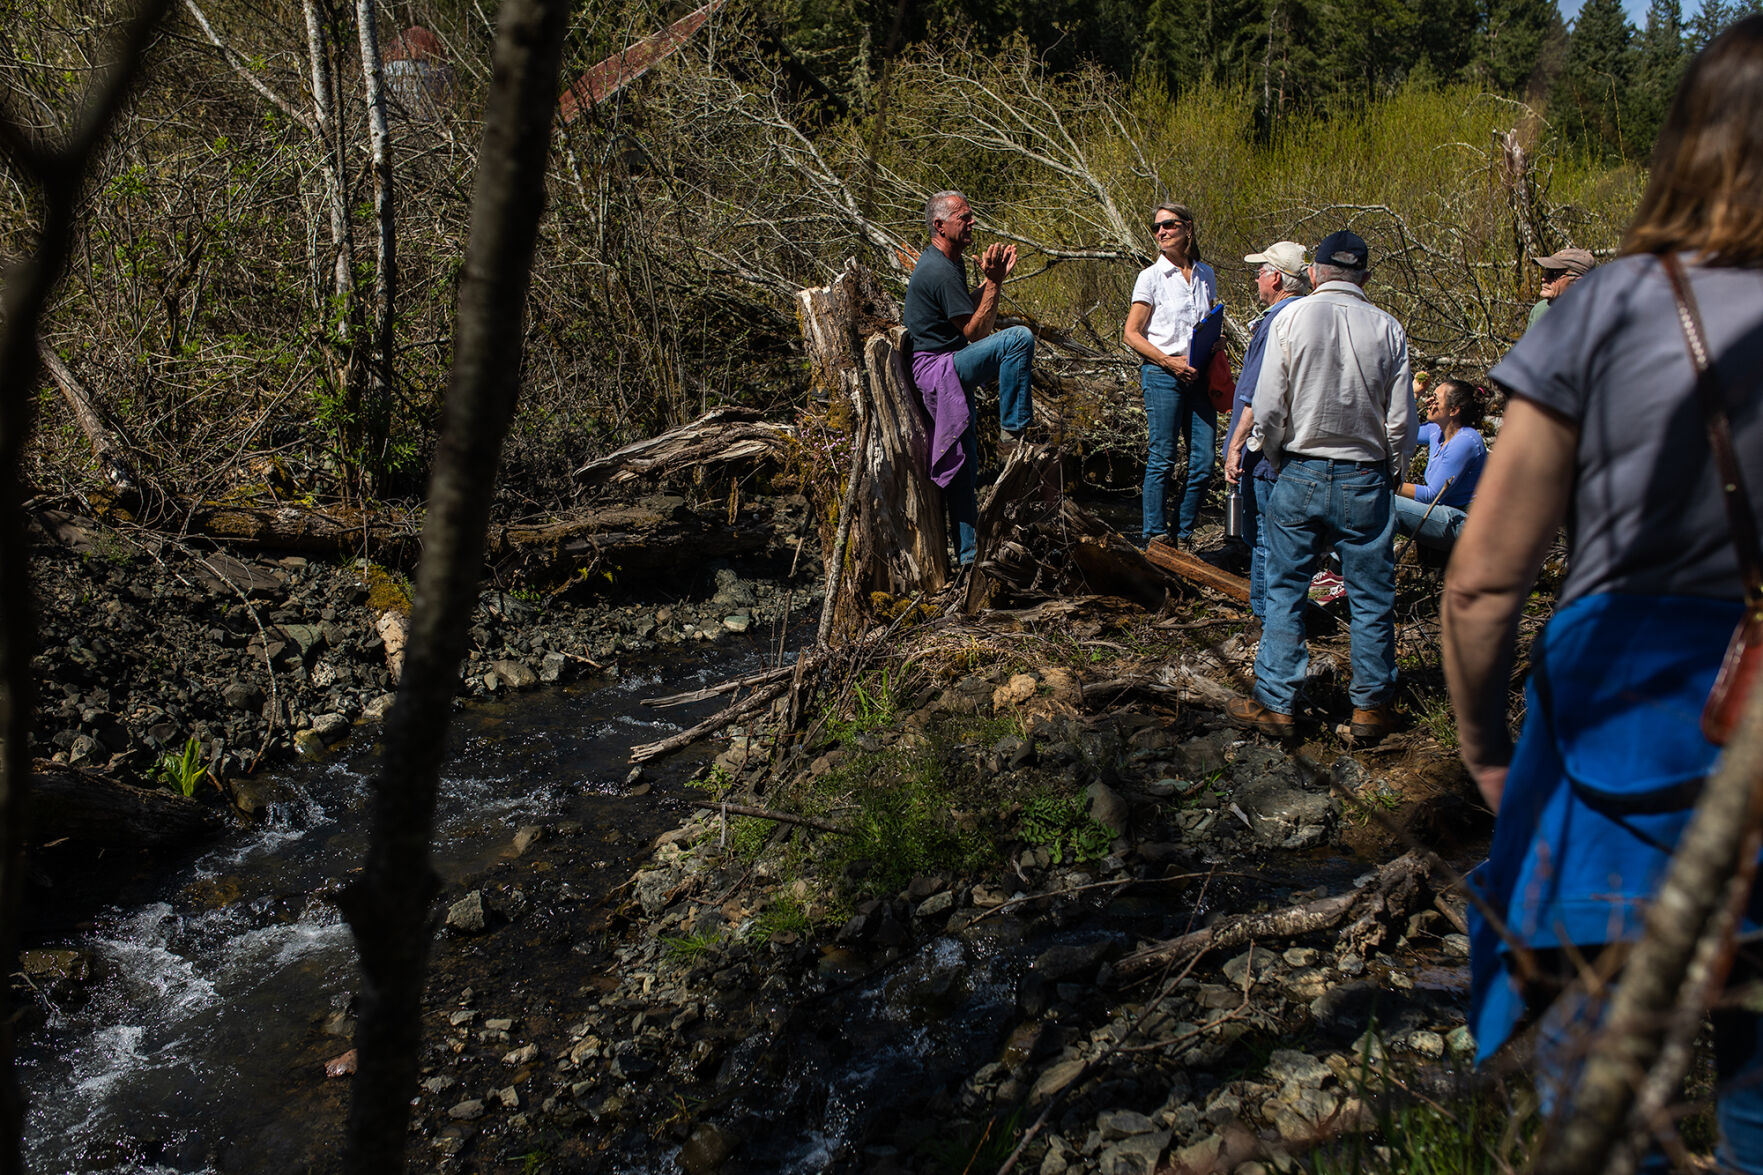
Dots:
{"x": 1206, "y": 336}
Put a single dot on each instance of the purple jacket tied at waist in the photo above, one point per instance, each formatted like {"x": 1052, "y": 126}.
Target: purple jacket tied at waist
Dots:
{"x": 946, "y": 401}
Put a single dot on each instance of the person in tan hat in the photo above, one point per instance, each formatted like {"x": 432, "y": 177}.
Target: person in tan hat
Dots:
{"x": 1560, "y": 270}
{"x": 1280, "y": 277}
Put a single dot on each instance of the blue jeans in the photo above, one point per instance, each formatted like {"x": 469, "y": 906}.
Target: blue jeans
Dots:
{"x": 1172, "y": 407}
{"x": 1317, "y": 504}
{"x": 1564, "y": 1033}
{"x": 1007, "y": 356}
{"x": 1440, "y": 528}
{"x": 1255, "y": 534}
{"x": 962, "y": 494}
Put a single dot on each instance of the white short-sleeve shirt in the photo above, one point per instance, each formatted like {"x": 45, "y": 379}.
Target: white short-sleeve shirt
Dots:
{"x": 1177, "y": 304}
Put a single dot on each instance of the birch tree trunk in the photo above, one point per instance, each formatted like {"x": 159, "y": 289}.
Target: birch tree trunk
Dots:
{"x": 59, "y": 174}
{"x": 377, "y": 420}
{"x": 388, "y": 905}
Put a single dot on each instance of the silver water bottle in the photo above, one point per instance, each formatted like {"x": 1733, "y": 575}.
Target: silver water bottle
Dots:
{"x": 1233, "y": 514}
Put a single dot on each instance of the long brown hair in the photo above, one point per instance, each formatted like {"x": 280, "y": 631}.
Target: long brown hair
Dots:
{"x": 1181, "y": 213}
{"x": 1706, "y": 190}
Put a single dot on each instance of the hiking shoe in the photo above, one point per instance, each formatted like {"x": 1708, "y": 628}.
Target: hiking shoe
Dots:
{"x": 1252, "y": 715}
{"x": 1326, "y": 587}
{"x": 1368, "y": 726}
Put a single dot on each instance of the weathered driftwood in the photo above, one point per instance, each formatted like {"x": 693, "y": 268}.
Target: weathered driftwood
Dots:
{"x": 745, "y": 708}
{"x": 1379, "y": 910}
{"x": 96, "y": 808}
{"x": 729, "y": 438}
{"x": 727, "y": 687}
{"x": 898, "y": 540}
{"x": 1025, "y": 493}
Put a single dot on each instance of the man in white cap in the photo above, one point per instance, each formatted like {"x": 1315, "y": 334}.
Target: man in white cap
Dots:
{"x": 1280, "y": 278}
{"x": 1560, "y": 270}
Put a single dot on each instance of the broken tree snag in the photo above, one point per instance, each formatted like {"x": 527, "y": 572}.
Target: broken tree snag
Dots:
{"x": 1198, "y": 571}
{"x": 1026, "y": 493}
{"x": 105, "y": 449}
{"x": 95, "y": 808}
{"x": 898, "y": 544}
{"x": 727, "y": 439}
{"x": 1379, "y": 909}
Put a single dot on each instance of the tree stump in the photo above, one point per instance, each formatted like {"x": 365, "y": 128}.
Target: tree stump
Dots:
{"x": 898, "y": 542}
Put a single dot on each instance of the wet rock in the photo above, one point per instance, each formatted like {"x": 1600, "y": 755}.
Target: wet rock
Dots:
{"x": 1300, "y": 1115}
{"x": 330, "y": 727}
{"x": 514, "y": 674}
{"x": 551, "y": 667}
{"x": 1456, "y": 946}
{"x": 508, "y": 1097}
{"x": 526, "y": 837}
{"x": 467, "y": 1111}
{"x": 935, "y": 905}
{"x": 342, "y": 1065}
{"x": 243, "y": 695}
{"x": 1070, "y": 959}
{"x": 1427, "y": 1043}
{"x": 1284, "y": 816}
{"x": 526, "y": 1054}
{"x": 738, "y": 622}
{"x": 309, "y": 743}
{"x": 468, "y": 915}
{"x": 706, "y": 1150}
{"x": 377, "y": 709}
{"x": 438, "y": 1084}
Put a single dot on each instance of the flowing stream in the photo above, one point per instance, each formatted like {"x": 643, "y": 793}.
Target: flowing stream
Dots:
{"x": 194, "y": 1047}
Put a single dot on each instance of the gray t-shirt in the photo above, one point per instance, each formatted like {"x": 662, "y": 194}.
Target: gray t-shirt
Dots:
{"x": 936, "y": 292}
{"x": 1646, "y": 514}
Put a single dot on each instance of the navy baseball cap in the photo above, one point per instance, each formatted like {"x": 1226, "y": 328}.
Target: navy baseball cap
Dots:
{"x": 1345, "y": 248}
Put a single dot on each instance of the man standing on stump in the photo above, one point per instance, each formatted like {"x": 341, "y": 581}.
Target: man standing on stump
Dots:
{"x": 956, "y": 350}
{"x": 1334, "y": 408}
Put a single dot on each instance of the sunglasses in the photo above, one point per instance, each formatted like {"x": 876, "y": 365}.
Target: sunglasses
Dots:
{"x": 1164, "y": 225}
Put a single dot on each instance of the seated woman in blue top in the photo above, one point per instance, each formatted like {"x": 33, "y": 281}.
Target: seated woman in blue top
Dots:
{"x": 1455, "y": 453}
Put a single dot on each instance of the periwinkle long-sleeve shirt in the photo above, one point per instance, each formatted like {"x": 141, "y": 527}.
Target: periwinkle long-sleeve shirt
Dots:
{"x": 1335, "y": 382}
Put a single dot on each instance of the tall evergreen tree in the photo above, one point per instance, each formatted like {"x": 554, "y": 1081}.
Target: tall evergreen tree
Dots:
{"x": 1662, "y": 59}
{"x": 1588, "y": 102}
{"x": 1513, "y": 34}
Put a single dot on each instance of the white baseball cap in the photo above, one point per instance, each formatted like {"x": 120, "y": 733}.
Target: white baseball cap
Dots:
{"x": 1285, "y": 256}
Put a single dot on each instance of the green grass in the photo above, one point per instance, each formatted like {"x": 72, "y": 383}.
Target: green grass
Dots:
{"x": 1471, "y": 1136}
{"x": 689, "y": 948}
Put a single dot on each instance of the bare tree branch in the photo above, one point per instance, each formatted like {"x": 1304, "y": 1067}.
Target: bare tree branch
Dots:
{"x": 388, "y": 906}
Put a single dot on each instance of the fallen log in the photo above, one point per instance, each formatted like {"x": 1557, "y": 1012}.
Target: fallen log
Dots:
{"x": 726, "y": 687}
{"x": 1198, "y": 571}
{"x": 1379, "y": 908}
{"x": 728, "y": 438}
{"x": 653, "y": 536}
{"x": 106, "y": 449}
{"x": 98, "y": 809}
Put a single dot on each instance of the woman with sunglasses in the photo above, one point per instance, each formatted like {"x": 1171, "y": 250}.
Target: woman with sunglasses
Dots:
{"x": 1606, "y": 431}
{"x": 1169, "y": 299}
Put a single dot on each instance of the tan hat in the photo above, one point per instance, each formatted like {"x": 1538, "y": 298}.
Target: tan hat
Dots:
{"x": 1578, "y": 262}
{"x": 1285, "y": 256}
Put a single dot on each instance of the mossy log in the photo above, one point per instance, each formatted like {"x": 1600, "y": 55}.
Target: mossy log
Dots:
{"x": 98, "y": 809}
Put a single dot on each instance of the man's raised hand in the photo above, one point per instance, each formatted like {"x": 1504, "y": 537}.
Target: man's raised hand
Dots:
{"x": 998, "y": 261}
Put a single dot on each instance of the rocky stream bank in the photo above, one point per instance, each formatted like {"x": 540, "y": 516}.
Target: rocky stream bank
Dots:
{"x": 931, "y": 950}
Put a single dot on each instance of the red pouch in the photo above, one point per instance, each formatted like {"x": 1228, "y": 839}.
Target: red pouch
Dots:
{"x": 1221, "y": 386}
